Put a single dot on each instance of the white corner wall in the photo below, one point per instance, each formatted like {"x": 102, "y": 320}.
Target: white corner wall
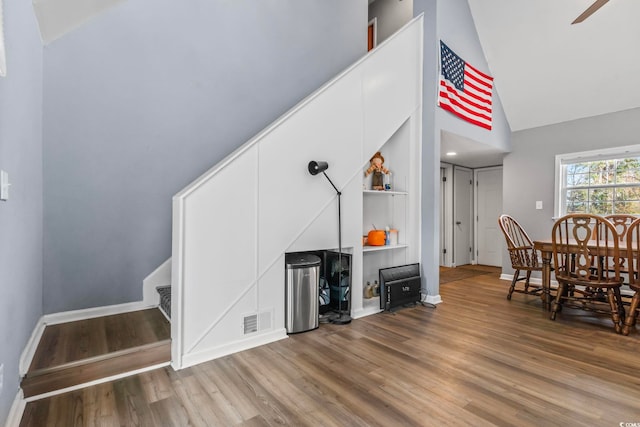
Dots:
{"x": 233, "y": 225}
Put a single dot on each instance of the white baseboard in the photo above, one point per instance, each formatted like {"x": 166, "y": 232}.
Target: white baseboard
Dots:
{"x": 90, "y": 313}
{"x": 431, "y": 299}
{"x": 224, "y": 350}
{"x": 30, "y": 348}
{"x": 625, "y": 291}
{"x": 16, "y": 411}
{"x": 533, "y": 280}
{"x": 364, "y": 312}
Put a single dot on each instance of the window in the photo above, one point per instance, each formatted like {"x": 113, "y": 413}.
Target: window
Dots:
{"x": 600, "y": 182}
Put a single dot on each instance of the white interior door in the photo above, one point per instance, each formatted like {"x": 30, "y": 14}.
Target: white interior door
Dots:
{"x": 443, "y": 218}
{"x": 446, "y": 215}
{"x": 462, "y": 225}
{"x": 488, "y": 208}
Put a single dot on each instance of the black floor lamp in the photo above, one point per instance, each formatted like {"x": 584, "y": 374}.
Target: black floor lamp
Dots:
{"x": 314, "y": 169}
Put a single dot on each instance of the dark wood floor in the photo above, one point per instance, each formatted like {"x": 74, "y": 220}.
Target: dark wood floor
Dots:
{"x": 74, "y": 353}
{"x": 477, "y": 359}
{"x": 73, "y": 341}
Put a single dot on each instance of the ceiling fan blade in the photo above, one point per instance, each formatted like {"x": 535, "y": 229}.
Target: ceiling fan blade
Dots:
{"x": 590, "y": 11}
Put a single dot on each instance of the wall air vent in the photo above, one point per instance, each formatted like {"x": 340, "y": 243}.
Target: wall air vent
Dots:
{"x": 257, "y": 322}
{"x": 250, "y": 324}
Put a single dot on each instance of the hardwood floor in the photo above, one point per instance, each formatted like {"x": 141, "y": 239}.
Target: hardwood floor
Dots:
{"x": 477, "y": 359}
{"x": 452, "y": 274}
{"x": 78, "y": 352}
{"x": 69, "y": 342}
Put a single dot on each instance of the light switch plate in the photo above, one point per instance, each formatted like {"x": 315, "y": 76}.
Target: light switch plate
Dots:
{"x": 539, "y": 204}
{"x": 4, "y": 185}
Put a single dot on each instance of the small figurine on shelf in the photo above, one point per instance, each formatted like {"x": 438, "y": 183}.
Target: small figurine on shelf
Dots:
{"x": 378, "y": 169}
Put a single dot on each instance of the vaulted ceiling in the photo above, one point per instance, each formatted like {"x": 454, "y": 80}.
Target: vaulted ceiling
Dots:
{"x": 548, "y": 71}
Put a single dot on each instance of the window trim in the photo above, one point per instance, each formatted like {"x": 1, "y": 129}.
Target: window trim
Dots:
{"x": 584, "y": 156}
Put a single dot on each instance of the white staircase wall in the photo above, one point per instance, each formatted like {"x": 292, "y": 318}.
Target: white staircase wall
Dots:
{"x": 161, "y": 276}
{"x": 233, "y": 225}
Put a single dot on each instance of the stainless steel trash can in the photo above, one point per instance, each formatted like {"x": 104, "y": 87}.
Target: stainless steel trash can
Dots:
{"x": 301, "y": 292}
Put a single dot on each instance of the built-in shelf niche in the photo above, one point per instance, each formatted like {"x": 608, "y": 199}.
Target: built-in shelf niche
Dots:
{"x": 391, "y": 208}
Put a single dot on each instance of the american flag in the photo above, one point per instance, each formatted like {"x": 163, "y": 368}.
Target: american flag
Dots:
{"x": 464, "y": 91}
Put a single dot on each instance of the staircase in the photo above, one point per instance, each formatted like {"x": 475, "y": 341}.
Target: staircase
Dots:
{"x": 165, "y": 300}
{"x": 228, "y": 262}
{"x": 75, "y": 353}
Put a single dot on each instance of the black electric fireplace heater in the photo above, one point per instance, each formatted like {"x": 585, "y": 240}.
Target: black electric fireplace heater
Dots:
{"x": 399, "y": 286}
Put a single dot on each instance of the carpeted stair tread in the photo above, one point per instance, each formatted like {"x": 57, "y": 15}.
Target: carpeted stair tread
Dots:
{"x": 165, "y": 299}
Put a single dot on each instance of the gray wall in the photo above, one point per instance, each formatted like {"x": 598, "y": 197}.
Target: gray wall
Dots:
{"x": 529, "y": 169}
{"x": 391, "y": 16}
{"x": 21, "y": 215}
{"x": 451, "y": 22}
{"x": 145, "y": 98}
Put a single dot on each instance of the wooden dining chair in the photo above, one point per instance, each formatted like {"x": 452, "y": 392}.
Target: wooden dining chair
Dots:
{"x": 578, "y": 239}
{"x": 633, "y": 258}
{"x": 523, "y": 256}
{"x": 621, "y": 222}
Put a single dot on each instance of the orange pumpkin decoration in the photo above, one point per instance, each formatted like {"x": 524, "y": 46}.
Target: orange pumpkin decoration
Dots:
{"x": 376, "y": 238}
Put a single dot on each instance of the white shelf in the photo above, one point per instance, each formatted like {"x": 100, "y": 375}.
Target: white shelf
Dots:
{"x": 389, "y": 193}
{"x": 382, "y": 248}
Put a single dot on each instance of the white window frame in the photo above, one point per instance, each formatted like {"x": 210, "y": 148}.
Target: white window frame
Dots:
{"x": 584, "y": 156}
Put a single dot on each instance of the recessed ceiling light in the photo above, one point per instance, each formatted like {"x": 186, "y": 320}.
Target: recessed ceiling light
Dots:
{"x": 451, "y": 153}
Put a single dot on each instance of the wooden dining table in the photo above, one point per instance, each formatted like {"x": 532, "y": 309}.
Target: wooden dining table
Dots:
{"x": 546, "y": 253}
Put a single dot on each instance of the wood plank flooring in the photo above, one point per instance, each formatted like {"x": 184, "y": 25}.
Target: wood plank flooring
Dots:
{"x": 68, "y": 342}
{"x": 78, "y": 352}
{"x": 477, "y": 359}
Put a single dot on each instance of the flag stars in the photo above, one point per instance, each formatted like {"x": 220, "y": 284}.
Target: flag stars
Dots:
{"x": 452, "y": 67}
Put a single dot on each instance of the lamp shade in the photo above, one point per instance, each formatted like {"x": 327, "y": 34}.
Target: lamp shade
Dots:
{"x": 317, "y": 167}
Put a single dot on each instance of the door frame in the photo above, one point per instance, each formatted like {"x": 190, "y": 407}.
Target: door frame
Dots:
{"x": 373, "y": 27}
{"x": 475, "y": 207}
{"x": 446, "y": 215}
{"x": 472, "y": 224}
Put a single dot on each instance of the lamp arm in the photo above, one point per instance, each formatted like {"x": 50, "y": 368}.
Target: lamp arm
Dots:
{"x": 332, "y": 184}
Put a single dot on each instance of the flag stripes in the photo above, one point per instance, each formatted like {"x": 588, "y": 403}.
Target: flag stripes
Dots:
{"x": 464, "y": 90}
